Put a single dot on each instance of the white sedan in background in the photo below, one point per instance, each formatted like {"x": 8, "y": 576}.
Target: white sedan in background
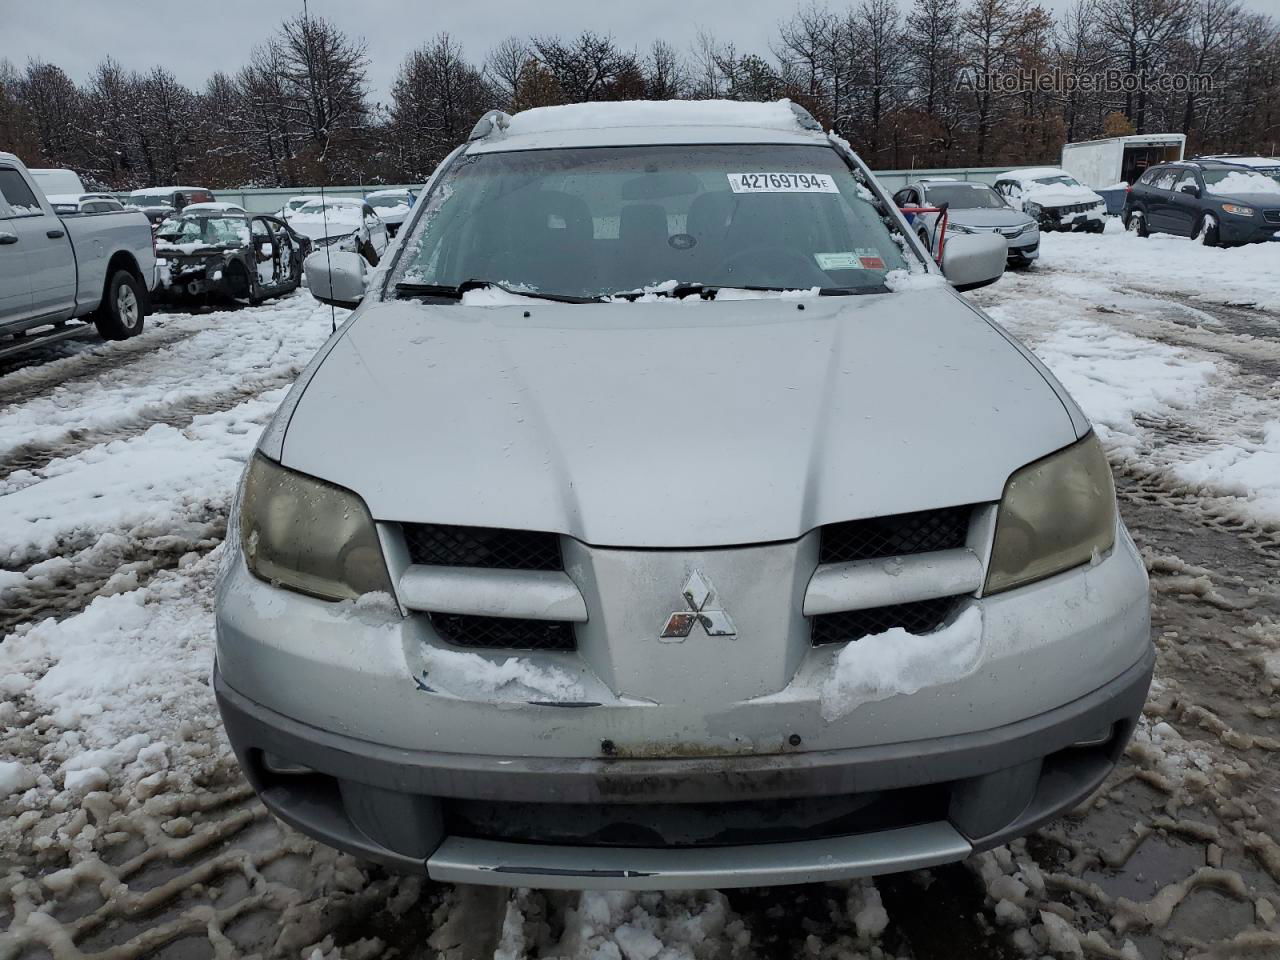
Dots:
{"x": 343, "y": 222}
{"x": 292, "y": 205}
{"x": 393, "y": 206}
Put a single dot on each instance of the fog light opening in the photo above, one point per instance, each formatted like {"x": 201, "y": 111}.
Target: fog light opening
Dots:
{"x": 283, "y": 768}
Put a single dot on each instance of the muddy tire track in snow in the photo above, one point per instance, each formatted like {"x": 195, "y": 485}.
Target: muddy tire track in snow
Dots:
{"x": 26, "y": 383}
{"x": 180, "y": 413}
{"x": 66, "y": 583}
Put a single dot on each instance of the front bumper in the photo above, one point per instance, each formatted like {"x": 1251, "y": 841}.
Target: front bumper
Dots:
{"x": 1051, "y": 220}
{"x": 403, "y": 808}
{"x": 1255, "y": 229}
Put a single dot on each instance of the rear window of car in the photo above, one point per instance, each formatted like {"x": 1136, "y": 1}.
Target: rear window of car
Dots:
{"x": 17, "y": 194}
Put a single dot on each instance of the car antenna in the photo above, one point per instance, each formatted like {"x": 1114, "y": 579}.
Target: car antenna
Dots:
{"x": 328, "y": 257}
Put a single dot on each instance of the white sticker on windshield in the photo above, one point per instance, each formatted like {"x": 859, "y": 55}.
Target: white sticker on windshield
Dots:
{"x": 862, "y": 258}
{"x": 782, "y": 183}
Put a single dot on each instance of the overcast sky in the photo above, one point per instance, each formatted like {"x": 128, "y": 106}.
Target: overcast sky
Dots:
{"x": 193, "y": 39}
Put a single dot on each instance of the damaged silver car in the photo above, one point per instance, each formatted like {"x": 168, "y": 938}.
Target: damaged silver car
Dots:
{"x": 663, "y": 518}
{"x": 217, "y": 251}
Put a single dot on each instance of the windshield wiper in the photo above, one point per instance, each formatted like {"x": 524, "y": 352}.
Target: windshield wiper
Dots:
{"x": 448, "y": 292}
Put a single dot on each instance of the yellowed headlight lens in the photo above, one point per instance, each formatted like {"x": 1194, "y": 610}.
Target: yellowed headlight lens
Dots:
{"x": 303, "y": 534}
{"x": 1056, "y": 513}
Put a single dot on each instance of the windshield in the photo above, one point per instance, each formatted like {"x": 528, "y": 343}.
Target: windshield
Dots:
{"x": 213, "y": 229}
{"x": 1239, "y": 181}
{"x": 589, "y": 222}
{"x": 964, "y": 196}
{"x": 1060, "y": 178}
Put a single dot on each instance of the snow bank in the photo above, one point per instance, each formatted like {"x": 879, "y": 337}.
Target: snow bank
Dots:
{"x": 470, "y": 675}
{"x": 1242, "y": 275}
{"x": 1248, "y": 469}
{"x": 655, "y": 113}
{"x": 896, "y": 662}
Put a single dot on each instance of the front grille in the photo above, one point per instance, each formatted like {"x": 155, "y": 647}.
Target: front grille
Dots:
{"x": 895, "y": 536}
{"x": 1271, "y": 216}
{"x": 465, "y": 630}
{"x": 439, "y": 544}
{"x": 643, "y": 823}
{"x": 922, "y": 616}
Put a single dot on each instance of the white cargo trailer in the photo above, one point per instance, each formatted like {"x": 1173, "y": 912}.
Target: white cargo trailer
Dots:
{"x": 1111, "y": 165}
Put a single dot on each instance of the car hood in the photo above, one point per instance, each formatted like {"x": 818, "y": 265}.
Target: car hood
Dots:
{"x": 1266, "y": 201}
{"x": 317, "y": 229}
{"x": 1059, "y": 195}
{"x": 988, "y": 217}
{"x": 674, "y": 424}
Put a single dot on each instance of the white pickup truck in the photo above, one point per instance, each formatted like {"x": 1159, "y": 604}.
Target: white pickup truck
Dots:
{"x": 98, "y": 266}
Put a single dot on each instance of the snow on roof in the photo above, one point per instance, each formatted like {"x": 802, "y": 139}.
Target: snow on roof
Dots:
{"x": 214, "y": 206}
{"x": 1265, "y": 162}
{"x": 397, "y": 192}
{"x": 336, "y": 201}
{"x": 655, "y": 113}
{"x": 1034, "y": 173}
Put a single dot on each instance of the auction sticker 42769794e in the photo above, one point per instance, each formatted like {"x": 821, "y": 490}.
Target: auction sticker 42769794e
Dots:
{"x": 782, "y": 183}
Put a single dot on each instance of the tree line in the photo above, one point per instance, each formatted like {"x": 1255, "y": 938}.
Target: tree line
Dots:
{"x": 911, "y": 83}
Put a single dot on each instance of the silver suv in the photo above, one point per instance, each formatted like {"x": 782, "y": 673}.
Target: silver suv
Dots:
{"x": 662, "y": 519}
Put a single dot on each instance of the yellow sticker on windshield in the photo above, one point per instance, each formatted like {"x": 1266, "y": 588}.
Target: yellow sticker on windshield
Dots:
{"x": 782, "y": 183}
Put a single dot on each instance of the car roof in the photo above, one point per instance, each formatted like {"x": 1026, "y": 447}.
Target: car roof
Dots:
{"x": 395, "y": 192}
{"x": 349, "y": 201}
{"x": 214, "y": 205}
{"x": 644, "y": 122}
{"x": 1034, "y": 173}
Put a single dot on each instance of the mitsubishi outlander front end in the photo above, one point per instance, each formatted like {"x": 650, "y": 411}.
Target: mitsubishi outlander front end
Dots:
{"x": 662, "y": 518}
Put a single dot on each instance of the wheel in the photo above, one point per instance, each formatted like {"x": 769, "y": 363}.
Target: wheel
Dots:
{"x": 120, "y": 315}
{"x": 1137, "y": 223}
{"x": 1098, "y": 227}
{"x": 924, "y": 238}
{"x": 1206, "y": 231}
{"x": 369, "y": 252}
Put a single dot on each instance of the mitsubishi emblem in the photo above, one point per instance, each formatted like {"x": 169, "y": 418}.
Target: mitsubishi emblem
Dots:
{"x": 697, "y": 593}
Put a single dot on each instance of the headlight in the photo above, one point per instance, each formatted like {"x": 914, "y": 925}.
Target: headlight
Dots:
{"x": 303, "y": 534}
{"x": 957, "y": 228}
{"x": 1034, "y": 209}
{"x": 1238, "y": 210}
{"x": 1056, "y": 513}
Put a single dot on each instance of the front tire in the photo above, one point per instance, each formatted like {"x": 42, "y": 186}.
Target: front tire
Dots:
{"x": 1206, "y": 232}
{"x": 1137, "y": 223}
{"x": 120, "y": 315}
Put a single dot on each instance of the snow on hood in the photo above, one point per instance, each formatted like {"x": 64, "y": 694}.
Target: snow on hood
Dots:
{"x": 1238, "y": 184}
{"x": 643, "y": 425}
{"x": 654, "y": 113}
{"x": 1057, "y": 194}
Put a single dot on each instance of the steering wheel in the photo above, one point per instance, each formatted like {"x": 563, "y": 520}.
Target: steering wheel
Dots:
{"x": 765, "y": 260}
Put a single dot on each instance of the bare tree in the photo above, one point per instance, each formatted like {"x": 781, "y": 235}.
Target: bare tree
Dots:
{"x": 504, "y": 67}
{"x": 666, "y": 75}
{"x": 435, "y": 100}
{"x": 1141, "y": 33}
{"x": 325, "y": 74}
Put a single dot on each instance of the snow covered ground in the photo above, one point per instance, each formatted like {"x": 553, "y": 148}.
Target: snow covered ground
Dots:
{"x": 126, "y": 830}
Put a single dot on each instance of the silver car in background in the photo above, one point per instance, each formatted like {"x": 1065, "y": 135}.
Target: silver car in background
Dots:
{"x": 661, "y": 518}
{"x": 971, "y": 208}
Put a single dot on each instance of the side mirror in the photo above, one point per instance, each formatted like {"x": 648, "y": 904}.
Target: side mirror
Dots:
{"x": 1190, "y": 189}
{"x": 336, "y": 277}
{"x": 974, "y": 260}
{"x": 266, "y": 247}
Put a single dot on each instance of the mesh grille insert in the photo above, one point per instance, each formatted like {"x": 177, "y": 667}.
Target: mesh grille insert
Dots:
{"x": 465, "y": 630}
{"x": 895, "y": 536}
{"x": 449, "y": 546}
{"x": 923, "y": 616}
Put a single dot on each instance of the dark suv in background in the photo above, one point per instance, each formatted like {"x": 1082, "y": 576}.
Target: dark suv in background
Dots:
{"x": 1214, "y": 202}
